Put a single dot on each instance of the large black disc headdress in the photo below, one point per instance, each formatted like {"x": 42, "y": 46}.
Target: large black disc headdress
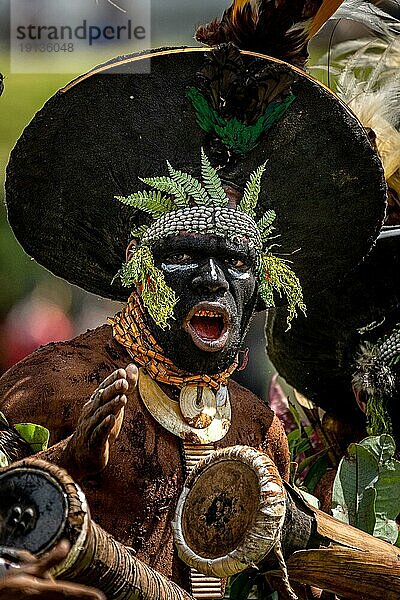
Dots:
{"x": 319, "y": 355}
{"x": 97, "y": 136}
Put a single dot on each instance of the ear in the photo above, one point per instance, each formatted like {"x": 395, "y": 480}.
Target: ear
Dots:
{"x": 130, "y": 249}
{"x": 361, "y": 399}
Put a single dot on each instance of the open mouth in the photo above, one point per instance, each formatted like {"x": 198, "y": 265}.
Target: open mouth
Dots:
{"x": 208, "y": 325}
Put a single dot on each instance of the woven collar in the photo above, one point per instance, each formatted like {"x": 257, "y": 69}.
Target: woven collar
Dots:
{"x": 131, "y": 330}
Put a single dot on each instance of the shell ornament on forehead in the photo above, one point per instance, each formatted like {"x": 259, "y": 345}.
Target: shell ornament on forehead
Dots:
{"x": 202, "y": 207}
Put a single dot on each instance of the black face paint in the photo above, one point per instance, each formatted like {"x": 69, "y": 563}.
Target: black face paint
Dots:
{"x": 220, "y": 274}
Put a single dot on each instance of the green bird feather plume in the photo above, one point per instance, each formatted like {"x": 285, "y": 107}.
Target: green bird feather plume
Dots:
{"x": 233, "y": 133}
{"x": 207, "y": 117}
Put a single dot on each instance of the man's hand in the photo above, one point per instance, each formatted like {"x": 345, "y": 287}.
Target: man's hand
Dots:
{"x": 88, "y": 449}
{"x": 32, "y": 579}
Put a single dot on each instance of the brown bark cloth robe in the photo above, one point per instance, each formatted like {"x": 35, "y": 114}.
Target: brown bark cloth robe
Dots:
{"x": 135, "y": 497}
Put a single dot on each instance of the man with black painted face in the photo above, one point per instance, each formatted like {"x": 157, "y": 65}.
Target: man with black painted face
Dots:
{"x": 216, "y": 283}
{"x": 128, "y": 455}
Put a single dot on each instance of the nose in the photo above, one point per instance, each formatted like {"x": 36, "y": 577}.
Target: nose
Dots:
{"x": 210, "y": 277}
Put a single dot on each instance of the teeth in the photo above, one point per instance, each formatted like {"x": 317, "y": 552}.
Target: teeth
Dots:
{"x": 206, "y": 313}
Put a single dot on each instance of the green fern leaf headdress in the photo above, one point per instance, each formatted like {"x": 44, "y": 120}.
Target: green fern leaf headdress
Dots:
{"x": 180, "y": 203}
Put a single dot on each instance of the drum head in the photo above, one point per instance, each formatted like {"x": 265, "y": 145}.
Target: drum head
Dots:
{"x": 33, "y": 510}
{"x": 220, "y": 508}
{"x": 230, "y": 512}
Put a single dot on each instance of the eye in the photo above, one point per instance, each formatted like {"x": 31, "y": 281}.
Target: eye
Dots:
{"x": 178, "y": 259}
{"x": 237, "y": 263}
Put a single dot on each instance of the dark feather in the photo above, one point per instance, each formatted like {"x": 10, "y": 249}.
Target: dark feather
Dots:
{"x": 279, "y": 28}
{"x": 12, "y": 444}
{"x": 242, "y": 91}
{"x": 1, "y": 83}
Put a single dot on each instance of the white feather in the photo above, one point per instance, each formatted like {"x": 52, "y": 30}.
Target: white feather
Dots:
{"x": 369, "y": 83}
{"x": 371, "y": 16}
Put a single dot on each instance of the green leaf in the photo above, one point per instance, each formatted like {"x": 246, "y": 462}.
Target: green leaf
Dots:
{"x": 298, "y": 441}
{"x": 265, "y": 224}
{"x": 166, "y": 184}
{"x": 387, "y": 504}
{"x": 303, "y": 444}
{"x": 293, "y": 436}
{"x": 36, "y": 435}
{"x": 190, "y": 185}
{"x": 157, "y": 296}
{"x": 139, "y": 232}
{"x": 252, "y": 191}
{"x": 241, "y": 586}
{"x": 295, "y": 414}
{"x": 212, "y": 182}
{"x": 317, "y": 470}
{"x": 3, "y": 419}
{"x": 310, "y": 460}
{"x": 274, "y": 273}
{"x": 380, "y": 476}
{"x": 309, "y": 498}
{"x": 293, "y": 473}
{"x": 382, "y": 447}
{"x": 354, "y": 494}
{"x": 151, "y": 202}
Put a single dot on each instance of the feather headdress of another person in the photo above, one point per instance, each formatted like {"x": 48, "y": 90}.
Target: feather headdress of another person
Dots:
{"x": 366, "y": 76}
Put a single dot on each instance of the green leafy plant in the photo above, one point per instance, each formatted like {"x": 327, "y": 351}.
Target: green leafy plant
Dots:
{"x": 309, "y": 460}
{"x": 36, "y": 435}
{"x": 366, "y": 490}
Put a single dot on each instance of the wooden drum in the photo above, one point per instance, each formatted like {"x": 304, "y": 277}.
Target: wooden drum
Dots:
{"x": 230, "y": 513}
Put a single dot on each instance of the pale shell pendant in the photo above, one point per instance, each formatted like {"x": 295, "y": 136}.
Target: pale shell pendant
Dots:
{"x": 198, "y": 405}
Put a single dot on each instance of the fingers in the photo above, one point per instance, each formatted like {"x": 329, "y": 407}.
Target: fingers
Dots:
{"x": 103, "y": 431}
{"x": 24, "y": 586}
{"x": 48, "y": 560}
{"x": 114, "y": 385}
{"x": 112, "y": 408}
{"x": 132, "y": 374}
{"x": 115, "y": 375}
{"x": 118, "y": 374}
{"x": 120, "y": 386}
